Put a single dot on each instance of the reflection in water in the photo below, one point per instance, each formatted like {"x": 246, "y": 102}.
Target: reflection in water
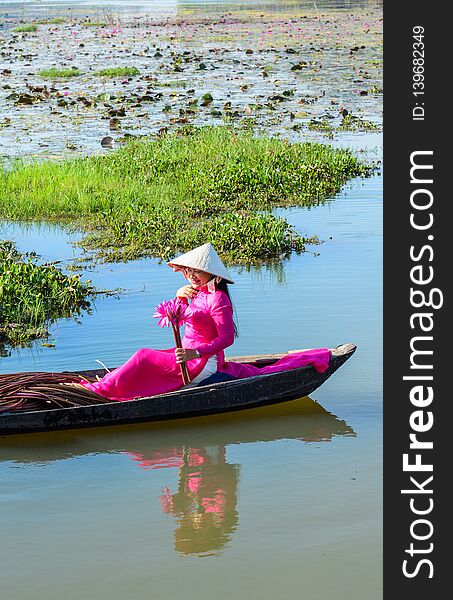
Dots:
{"x": 205, "y": 500}
{"x": 272, "y": 272}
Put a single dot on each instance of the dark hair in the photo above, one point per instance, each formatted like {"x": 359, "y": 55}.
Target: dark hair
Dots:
{"x": 223, "y": 286}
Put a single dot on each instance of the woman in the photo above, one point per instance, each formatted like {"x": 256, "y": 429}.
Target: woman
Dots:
{"x": 210, "y": 329}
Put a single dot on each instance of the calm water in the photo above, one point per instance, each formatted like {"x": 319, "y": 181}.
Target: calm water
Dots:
{"x": 283, "y": 502}
{"x": 68, "y": 119}
{"x": 271, "y": 503}
{"x": 37, "y": 6}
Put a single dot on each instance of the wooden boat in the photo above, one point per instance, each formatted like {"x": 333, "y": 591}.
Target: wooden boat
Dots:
{"x": 226, "y": 396}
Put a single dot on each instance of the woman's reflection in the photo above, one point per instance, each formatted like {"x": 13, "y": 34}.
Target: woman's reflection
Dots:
{"x": 205, "y": 501}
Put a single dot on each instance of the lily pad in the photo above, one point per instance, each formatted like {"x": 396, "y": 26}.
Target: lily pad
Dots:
{"x": 206, "y": 99}
{"x": 105, "y": 97}
{"x": 299, "y": 66}
{"x": 117, "y": 112}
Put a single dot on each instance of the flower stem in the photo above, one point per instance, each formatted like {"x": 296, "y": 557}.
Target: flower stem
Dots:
{"x": 184, "y": 370}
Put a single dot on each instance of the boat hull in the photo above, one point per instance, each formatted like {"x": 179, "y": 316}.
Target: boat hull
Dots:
{"x": 228, "y": 396}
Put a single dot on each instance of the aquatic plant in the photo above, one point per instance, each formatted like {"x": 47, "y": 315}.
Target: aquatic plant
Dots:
{"x": 173, "y": 313}
{"x": 354, "y": 123}
{"x": 53, "y": 21}
{"x": 33, "y": 295}
{"x": 240, "y": 238}
{"x": 155, "y": 197}
{"x": 27, "y": 28}
{"x": 118, "y": 72}
{"x": 59, "y": 73}
{"x": 173, "y": 84}
{"x": 94, "y": 24}
{"x": 321, "y": 125}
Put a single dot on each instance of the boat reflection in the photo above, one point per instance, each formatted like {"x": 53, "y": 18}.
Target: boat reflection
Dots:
{"x": 302, "y": 419}
{"x": 204, "y": 501}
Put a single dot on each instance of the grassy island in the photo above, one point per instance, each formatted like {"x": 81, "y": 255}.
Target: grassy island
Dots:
{"x": 158, "y": 197}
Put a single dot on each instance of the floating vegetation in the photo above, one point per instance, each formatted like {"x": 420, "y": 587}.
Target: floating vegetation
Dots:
{"x": 59, "y": 73}
{"x": 158, "y": 197}
{"x": 349, "y": 122}
{"x": 33, "y": 295}
{"x": 353, "y": 123}
{"x": 252, "y": 63}
{"x": 243, "y": 238}
{"x": 118, "y": 72}
{"x": 321, "y": 125}
{"x": 94, "y": 24}
{"x": 171, "y": 84}
{"x": 255, "y": 236}
{"x": 52, "y": 21}
{"x": 26, "y": 28}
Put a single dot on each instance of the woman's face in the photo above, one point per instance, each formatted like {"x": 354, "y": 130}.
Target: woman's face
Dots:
{"x": 197, "y": 278}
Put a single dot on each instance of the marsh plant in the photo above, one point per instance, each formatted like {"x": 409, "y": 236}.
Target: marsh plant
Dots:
{"x": 26, "y": 28}
{"x": 158, "y": 197}
{"x": 118, "y": 72}
{"x": 354, "y": 123}
{"x": 55, "y": 73}
{"x": 53, "y": 21}
{"x": 33, "y": 295}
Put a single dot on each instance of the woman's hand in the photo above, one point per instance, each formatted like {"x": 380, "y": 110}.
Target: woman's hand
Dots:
{"x": 185, "y": 354}
{"x": 187, "y": 291}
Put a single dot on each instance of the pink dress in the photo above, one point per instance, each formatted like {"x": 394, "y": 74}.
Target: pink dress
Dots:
{"x": 209, "y": 330}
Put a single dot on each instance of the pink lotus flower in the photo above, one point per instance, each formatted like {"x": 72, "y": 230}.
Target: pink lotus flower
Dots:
{"x": 171, "y": 312}
{"x": 166, "y": 500}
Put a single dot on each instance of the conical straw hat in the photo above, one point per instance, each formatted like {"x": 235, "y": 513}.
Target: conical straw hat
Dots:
{"x": 203, "y": 258}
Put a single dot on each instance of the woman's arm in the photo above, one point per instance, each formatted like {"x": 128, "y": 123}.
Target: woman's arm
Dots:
{"x": 222, "y": 315}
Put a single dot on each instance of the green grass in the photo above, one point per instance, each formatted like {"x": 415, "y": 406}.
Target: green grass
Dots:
{"x": 62, "y": 73}
{"x": 157, "y": 198}
{"x": 94, "y": 24}
{"x": 53, "y": 21}
{"x": 27, "y": 28}
{"x": 175, "y": 84}
{"x": 118, "y": 72}
{"x": 33, "y": 295}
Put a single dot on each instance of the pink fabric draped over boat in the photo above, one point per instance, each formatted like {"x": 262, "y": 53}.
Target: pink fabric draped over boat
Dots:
{"x": 318, "y": 357}
{"x": 209, "y": 330}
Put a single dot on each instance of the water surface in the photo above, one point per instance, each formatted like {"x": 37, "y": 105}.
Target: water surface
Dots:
{"x": 283, "y": 502}
{"x": 264, "y": 504}
{"x": 285, "y": 71}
